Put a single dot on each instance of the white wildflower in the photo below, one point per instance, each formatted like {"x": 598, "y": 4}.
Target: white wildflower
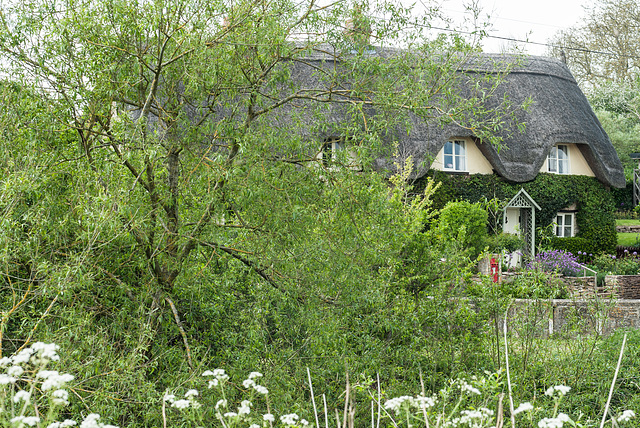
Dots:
{"x": 181, "y": 404}
{"x": 65, "y": 424}
{"x": 626, "y": 416}
{"x": 25, "y": 420}
{"x": 220, "y": 374}
{"x": 260, "y": 389}
{"x": 221, "y": 403}
{"x": 304, "y": 422}
{"x": 191, "y": 393}
{"x": 464, "y": 386}
{"x": 55, "y": 380}
{"x": 21, "y": 396}
{"x": 61, "y": 397}
{"x": 5, "y": 361}
{"x": 524, "y": 407}
{"x": 290, "y": 419}
{"x": 268, "y": 417}
{"x": 397, "y": 403}
{"x": 423, "y": 402}
{"x": 248, "y": 383}
{"x": 563, "y": 417}
{"x": 6, "y": 379}
{"x": 254, "y": 375}
{"x": 561, "y": 389}
{"x": 169, "y": 397}
{"x": 91, "y": 421}
{"x": 212, "y": 383}
{"x": 22, "y": 356}
{"x": 47, "y": 351}
{"x": 207, "y": 373}
{"x": 15, "y": 371}
{"x": 245, "y": 407}
{"x": 254, "y": 426}
{"x": 230, "y": 415}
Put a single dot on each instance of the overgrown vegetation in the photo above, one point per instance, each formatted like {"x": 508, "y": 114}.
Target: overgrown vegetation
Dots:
{"x": 594, "y": 204}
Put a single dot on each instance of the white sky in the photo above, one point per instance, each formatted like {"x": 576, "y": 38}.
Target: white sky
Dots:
{"x": 533, "y": 20}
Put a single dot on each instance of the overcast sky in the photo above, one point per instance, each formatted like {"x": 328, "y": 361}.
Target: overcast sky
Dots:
{"x": 532, "y": 20}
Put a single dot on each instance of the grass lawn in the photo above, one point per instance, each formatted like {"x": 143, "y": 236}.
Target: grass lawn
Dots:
{"x": 628, "y": 222}
{"x": 628, "y": 239}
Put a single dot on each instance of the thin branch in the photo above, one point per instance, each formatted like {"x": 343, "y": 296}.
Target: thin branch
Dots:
{"x": 182, "y": 332}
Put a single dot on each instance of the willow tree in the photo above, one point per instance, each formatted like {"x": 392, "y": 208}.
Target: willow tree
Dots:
{"x": 202, "y": 131}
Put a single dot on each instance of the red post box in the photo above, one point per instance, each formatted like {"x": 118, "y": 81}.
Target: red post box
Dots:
{"x": 495, "y": 269}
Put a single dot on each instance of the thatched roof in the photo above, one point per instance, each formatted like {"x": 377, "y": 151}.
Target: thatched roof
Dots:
{"x": 559, "y": 113}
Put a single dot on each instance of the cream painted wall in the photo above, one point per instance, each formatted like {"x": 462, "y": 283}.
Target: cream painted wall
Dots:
{"x": 476, "y": 162}
{"x": 577, "y": 163}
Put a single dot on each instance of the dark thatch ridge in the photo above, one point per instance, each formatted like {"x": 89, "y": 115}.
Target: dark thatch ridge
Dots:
{"x": 559, "y": 113}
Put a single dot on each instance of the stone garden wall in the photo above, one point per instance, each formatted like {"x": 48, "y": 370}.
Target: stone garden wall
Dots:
{"x": 573, "y": 317}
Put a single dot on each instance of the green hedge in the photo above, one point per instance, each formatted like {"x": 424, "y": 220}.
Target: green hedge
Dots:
{"x": 553, "y": 192}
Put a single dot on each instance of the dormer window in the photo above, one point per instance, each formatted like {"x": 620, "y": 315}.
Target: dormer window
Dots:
{"x": 455, "y": 156}
{"x": 558, "y": 160}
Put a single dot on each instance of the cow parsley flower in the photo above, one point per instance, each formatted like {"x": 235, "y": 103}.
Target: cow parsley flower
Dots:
{"x": 46, "y": 351}
{"x": 6, "y": 379}
{"x": 21, "y": 396}
{"x": 268, "y": 417}
{"x": 245, "y": 407}
{"x": 248, "y": 383}
{"x": 66, "y": 423}
{"x": 61, "y": 397}
{"x": 260, "y": 389}
{"x": 181, "y": 404}
{"x": 25, "y": 420}
{"x": 290, "y": 419}
{"x": 626, "y": 416}
{"x": 191, "y": 393}
{"x": 254, "y": 375}
{"x": 169, "y": 397}
{"x": 524, "y": 407}
{"x": 22, "y": 356}
{"x": 221, "y": 403}
{"x": 15, "y": 371}
{"x": 561, "y": 389}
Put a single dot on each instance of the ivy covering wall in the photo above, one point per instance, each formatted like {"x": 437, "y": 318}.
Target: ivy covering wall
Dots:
{"x": 552, "y": 192}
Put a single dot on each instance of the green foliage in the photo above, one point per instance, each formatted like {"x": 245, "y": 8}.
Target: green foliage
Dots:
{"x": 504, "y": 242}
{"x": 551, "y": 192}
{"x": 465, "y": 223}
{"x": 573, "y": 245}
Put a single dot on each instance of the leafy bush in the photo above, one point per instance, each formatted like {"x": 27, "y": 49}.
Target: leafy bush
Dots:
{"x": 463, "y": 222}
{"x": 613, "y": 265}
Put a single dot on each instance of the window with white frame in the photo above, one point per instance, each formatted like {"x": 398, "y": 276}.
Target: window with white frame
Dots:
{"x": 330, "y": 147}
{"x": 455, "y": 156}
{"x": 564, "y": 225}
{"x": 558, "y": 160}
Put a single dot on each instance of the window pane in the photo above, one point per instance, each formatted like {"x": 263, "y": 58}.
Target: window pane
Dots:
{"x": 552, "y": 164}
{"x": 567, "y": 232}
{"x": 459, "y": 163}
{"x": 563, "y": 166}
{"x": 448, "y": 148}
{"x": 448, "y": 161}
{"x": 563, "y": 152}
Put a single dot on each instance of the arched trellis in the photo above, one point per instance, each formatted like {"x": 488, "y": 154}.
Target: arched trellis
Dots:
{"x": 526, "y": 207}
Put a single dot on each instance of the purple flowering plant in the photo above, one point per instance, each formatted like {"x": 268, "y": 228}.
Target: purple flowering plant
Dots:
{"x": 556, "y": 261}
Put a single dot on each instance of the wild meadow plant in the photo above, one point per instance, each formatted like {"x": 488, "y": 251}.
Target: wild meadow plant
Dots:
{"x": 33, "y": 396}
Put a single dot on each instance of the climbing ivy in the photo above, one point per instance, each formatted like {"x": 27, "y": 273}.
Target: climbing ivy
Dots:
{"x": 552, "y": 192}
